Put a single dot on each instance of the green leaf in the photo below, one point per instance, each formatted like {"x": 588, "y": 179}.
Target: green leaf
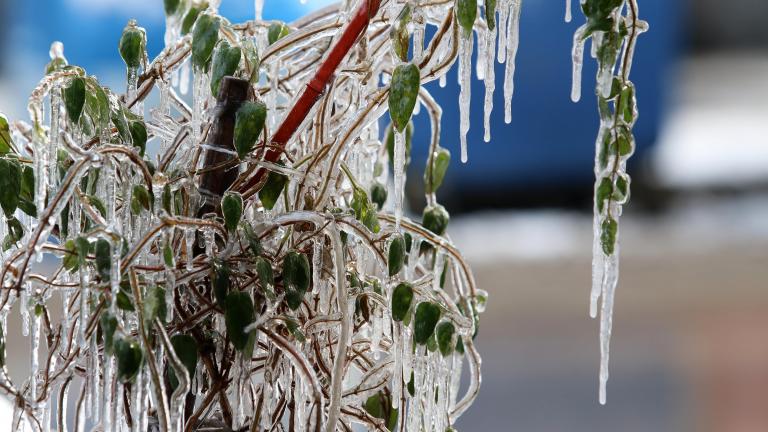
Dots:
{"x": 155, "y": 305}
{"x": 435, "y": 218}
{"x": 272, "y": 189}
{"x": 604, "y": 192}
{"x": 254, "y": 244}
{"x": 5, "y": 135}
{"x": 138, "y": 132}
{"x": 185, "y": 348}
{"x": 98, "y": 204}
{"x": 264, "y": 270}
{"x": 124, "y": 302}
{"x": 171, "y": 6}
{"x": 204, "y": 38}
{"x": 141, "y": 198}
{"x": 466, "y": 14}
{"x": 627, "y": 103}
{"x": 249, "y": 123}
{"x": 403, "y": 92}
{"x": 621, "y": 191}
{"x": 426, "y": 318}
{"x": 296, "y": 278}
{"x": 221, "y": 281}
{"x": 239, "y": 314}
{"x": 295, "y": 330}
{"x": 74, "y": 98}
{"x": 129, "y": 358}
{"x": 460, "y": 346}
{"x": 398, "y": 33}
{"x": 396, "y": 255}
{"x": 226, "y": 58}
{"x": 490, "y": 13}
{"x": 170, "y": 262}
{"x": 15, "y": 233}
{"x": 166, "y": 198}
{"x": 132, "y": 44}
{"x": 191, "y": 17}
{"x": 411, "y": 386}
{"x": 71, "y": 259}
{"x": 608, "y": 231}
{"x": 103, "y": 259}
{"x": 10, "y": 185}
{"x": 402, "y": 296}
{"x": 277, "y": 31}
{"x": 444, "y": 333}
{"x": 108, "y": 324}
{"x": 378, "y": 194}
{"x": 232, "y": 209}
{"x": 435, "y": 173}
{"x": 252, "y": 60}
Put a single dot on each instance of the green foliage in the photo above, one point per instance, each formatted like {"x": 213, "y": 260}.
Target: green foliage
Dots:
{"x": 74, "y": 98}
{"x": 425, "y": 319}
{"x": 444, "y": 334}
{"x": 296, "y": 278}
{"x": 204, "y": 38}
{"x": 435, "y": 218}
{"x": 238, "y": 315}
{"x": 249, "y": 123}
{"x": 232, "y": 209}
{"x": 403, "y": 92}
{"x": 466, "y": 14}
{"x": 226, "y": 59}
{"x": 396, "y": 255}
{"x": 129, "y": 358}
{"x": 401, "y": 39}
{"x": 437, "y": 166}
{"x": 402, "y": 297}
{"x": 277, "y": 31}
{"x": 185, "y": 348}
{"x": 132, "y": 44}
{"x": 272, "y": 189}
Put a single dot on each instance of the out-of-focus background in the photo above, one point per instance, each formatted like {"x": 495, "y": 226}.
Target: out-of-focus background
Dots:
{"x": 690, "y": 340}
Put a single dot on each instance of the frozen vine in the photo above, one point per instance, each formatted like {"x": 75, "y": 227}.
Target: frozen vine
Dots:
{"x": 613, "y": 26}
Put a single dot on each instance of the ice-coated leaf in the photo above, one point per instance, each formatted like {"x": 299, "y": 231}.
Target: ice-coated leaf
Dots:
{"x": 185, "y": 348}
{"x": 141, "y": 199}
{"x": 221, "y": 281}
{"x": 296, "y": 278}
{"x": 238, "y": 315}
{"x": 425, "y": 319}
{"x": 226, "y": 58}
{"x": 232, "y": 209}
{"x": 204, "y": 38}
{"x": 466, "y": 14}
{"x": 108, "y": 324}
{"x": 444, "y": 334}
{"x": 139, "y": 135}
{"x": 132, "y": 45}
{"x": 398, "y": 33}
{"x": 74, "y": 98}
{"x": 435, "y": 173}
{"x": 403, "y": 92}
{"x": 15, "y": 233}
{"x": 608, "y": 231}
{"x": 396, "y": 255}
{"x": 155, "y": 305}
{"x": 70, "y": 260}
{"x": 490, "y": 13}
{"x": 129, "y": 358}
{"x": 5, "y": 135}
{"x": 10, "y": 185}
{"x": 168, "y": 257}
{"x": 191, "y": 17}
{"x": 254, "y": 244}
{"x": 604, "y": 192}
{"x": 435, "y": 218}
{"x": 272, "y": 189}
{"x": 378, "y": 194}
{"x": 249, "y": 123}
{"x": 277, "y": 31}
{"x": 402, "y": 297}
{"x": 171, "y": 6}
{"x": 103, "y": 258}
{"x": 252, "y": 60}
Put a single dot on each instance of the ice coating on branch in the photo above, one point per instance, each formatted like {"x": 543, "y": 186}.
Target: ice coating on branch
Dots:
{"x": 466, "y": 42}
{"x": 399, "y": 174}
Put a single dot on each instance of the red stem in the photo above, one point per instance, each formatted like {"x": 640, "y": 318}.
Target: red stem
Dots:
{"x": 316, "y": 87}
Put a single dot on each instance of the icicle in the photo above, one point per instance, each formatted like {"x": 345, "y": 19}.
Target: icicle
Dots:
{"x": 578, "y": 62}
{"x": 513, "y": 41}
{"x": 258, "y": 9}
{"x": 189, "y": 240}
{"x": 465, "y": 75}
{"x": 610, "y": 280}
{"x": 54, "y": 132}
{"x": 503, "y": 8}
{"x": 399, "y": 168}
{"x": 35, "y": 355}
{"x": 184, "y": 72}
{"x": 490, "y": 83}
{"x": 483, "y": 34}
{"x": 568, "y": 13}
{"x": 317, "y": 264}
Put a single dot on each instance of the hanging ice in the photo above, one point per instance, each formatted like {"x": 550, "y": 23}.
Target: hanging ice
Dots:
{"x": 465, "y": 75}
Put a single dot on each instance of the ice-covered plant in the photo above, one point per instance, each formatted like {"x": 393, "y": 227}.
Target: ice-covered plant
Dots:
{"x": 240, "y": 263}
